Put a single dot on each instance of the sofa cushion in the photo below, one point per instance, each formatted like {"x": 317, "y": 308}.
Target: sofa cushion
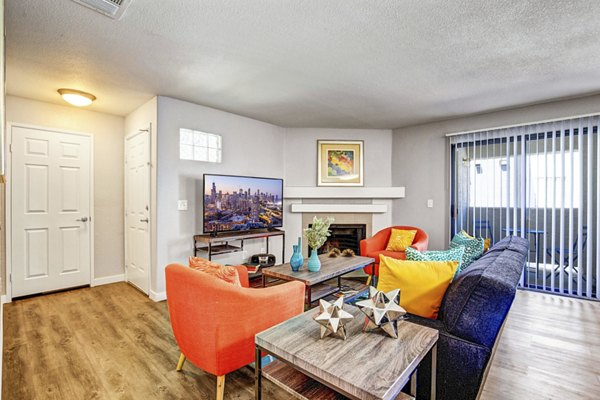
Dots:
{"x": 477, "y": 301}
{"x": 422, "y": 284}
{"x": 521, "y": 246}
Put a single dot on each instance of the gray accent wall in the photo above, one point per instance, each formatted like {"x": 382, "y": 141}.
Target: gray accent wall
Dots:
{"x": 301, "y": 154}
{"x": 421, "y": 161}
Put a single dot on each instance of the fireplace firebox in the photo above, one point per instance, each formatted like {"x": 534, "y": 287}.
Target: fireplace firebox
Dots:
{"x": 344, "y": 236}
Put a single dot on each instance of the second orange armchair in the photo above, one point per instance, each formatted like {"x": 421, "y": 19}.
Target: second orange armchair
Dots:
{"x": 376, "y": 245}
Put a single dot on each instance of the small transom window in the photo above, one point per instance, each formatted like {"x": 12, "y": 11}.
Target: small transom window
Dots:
{"x": 199, "y": 146}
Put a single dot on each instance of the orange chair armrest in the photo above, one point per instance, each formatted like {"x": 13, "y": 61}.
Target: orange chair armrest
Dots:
{"x": 243, "y": 274}
{"x": 421, "y": 244}
{"x": 376, "y": 243}
{"x": 276, "y": 304}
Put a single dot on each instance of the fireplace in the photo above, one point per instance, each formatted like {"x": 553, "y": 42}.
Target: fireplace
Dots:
{"x": 344, "y": 236}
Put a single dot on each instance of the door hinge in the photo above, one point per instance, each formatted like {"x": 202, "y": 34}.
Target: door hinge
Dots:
{"x": 10, "y": 277}
{"x": 10, "y": 148}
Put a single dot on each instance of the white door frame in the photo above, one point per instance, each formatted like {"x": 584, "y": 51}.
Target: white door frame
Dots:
{"x": 150, "y": 205}
{"x": 8, "y": 198}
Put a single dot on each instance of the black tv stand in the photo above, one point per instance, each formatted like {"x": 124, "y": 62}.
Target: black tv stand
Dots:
{"x": 214, "y": 244}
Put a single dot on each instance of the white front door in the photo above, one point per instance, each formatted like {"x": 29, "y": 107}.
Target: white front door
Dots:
{"x": 137, "y": 209}
{"x": 51, "y": 210}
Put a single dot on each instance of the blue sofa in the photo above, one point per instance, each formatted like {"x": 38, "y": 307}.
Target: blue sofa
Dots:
{"x": 471, "y": 319}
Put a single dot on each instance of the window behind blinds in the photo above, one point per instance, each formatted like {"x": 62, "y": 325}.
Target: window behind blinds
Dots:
{"x": 540, "y": 182}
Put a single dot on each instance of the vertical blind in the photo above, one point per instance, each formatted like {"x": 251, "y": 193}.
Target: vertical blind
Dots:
{"x": 539, "y": 182}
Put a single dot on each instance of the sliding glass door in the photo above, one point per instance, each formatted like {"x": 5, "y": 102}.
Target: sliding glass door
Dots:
{"x": 540, "y": 182}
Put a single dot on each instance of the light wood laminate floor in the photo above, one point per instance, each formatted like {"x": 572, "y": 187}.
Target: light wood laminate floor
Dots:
{"x": 550, "y": 349}
{"x": 111, "y": 342}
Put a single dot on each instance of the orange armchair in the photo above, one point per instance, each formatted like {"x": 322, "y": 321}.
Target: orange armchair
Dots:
{"x": 214, "y": 322}
{"x": 374, "y": 246}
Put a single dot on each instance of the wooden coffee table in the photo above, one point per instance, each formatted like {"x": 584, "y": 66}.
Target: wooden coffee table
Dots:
{"x": 367, "y": 366}
{"x": 331, "y": 267}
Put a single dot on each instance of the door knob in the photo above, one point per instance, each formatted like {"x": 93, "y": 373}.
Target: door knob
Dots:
{"x": 144, "y": 220}
{"x": 84, "y": 219}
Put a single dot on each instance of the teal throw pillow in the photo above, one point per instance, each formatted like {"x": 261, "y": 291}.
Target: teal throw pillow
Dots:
{"x": 473, "y": 247}
{"x": 455, "y": 254}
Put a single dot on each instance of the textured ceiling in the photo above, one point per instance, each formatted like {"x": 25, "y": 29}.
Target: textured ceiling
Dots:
{"x": 337, "y": 63}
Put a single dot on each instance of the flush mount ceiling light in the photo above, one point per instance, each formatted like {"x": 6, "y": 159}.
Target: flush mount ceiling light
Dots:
{"x": 77, "y": 97}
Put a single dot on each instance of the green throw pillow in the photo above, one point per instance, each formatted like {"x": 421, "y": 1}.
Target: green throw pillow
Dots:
{"x": 455, "y": 254}
{"x": 473, "y": 247}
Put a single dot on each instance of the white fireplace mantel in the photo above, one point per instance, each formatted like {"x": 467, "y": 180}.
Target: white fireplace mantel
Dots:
{"x": 332, "y": 192}
{"x": 339, "y": 208}
{"x": 373, "y": 204}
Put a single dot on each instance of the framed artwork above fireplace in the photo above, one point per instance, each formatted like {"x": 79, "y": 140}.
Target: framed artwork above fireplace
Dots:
{"x": 340, "y": 163}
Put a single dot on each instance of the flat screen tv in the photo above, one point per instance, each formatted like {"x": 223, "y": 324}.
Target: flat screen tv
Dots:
{"x": 241, "y": 203}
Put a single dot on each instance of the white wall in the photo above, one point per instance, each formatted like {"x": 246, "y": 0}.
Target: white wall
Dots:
{"x": 250, "y": 147}
{"x": 301, "y": 154}
{"x": 420, "y": 160}
{"x": 107, "y": 131}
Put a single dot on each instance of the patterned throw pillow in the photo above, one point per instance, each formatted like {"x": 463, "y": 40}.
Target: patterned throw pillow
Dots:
{"x": 400, "y": 239}
{"x": 223, "y": 272}
{"x": 473, "y": 247}
{"x": 454, "y": 254}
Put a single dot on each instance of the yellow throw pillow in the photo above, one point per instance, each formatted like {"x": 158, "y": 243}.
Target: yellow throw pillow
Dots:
{"x": 487, "y": 243}
{"x": 422, "y": 284}
{"x": 400, "y": 239}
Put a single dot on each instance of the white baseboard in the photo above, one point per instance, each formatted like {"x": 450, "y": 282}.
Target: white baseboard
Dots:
{"x": 158, "y": 296}
{"x": 3, "y": 299}
{"x": 105, "y": 280}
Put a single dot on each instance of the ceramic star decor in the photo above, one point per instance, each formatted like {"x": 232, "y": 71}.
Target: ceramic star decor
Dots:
{"x": 333, "y": 318}
{"x": 382, "y": 311}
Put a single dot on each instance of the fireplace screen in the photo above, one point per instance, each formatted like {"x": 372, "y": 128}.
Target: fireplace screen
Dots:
{"x": 344, "y": 236}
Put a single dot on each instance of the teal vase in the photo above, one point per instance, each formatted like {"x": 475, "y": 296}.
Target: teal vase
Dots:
{"x": 297, "y": 259}
{"x": 314, "y": 264}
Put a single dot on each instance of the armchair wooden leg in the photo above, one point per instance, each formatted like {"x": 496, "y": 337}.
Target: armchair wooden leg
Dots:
{"x": 180, "y": 363}
{"x": 220, "y": 387}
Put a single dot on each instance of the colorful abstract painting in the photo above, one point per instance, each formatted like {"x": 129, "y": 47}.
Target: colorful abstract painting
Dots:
{"x": 340, "y": 163}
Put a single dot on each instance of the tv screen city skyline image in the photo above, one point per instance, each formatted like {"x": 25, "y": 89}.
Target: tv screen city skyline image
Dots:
{"x": 237, "y": 203}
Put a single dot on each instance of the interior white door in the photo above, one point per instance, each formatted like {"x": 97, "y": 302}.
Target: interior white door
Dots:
{"x": 137, "y": 209}
{"x": 50, "y": 214}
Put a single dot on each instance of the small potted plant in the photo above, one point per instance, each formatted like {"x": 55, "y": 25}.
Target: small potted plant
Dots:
{"x": 316, "y": 236}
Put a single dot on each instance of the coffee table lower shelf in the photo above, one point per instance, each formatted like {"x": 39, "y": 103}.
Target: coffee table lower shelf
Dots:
{"x": 304, "y": 387}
